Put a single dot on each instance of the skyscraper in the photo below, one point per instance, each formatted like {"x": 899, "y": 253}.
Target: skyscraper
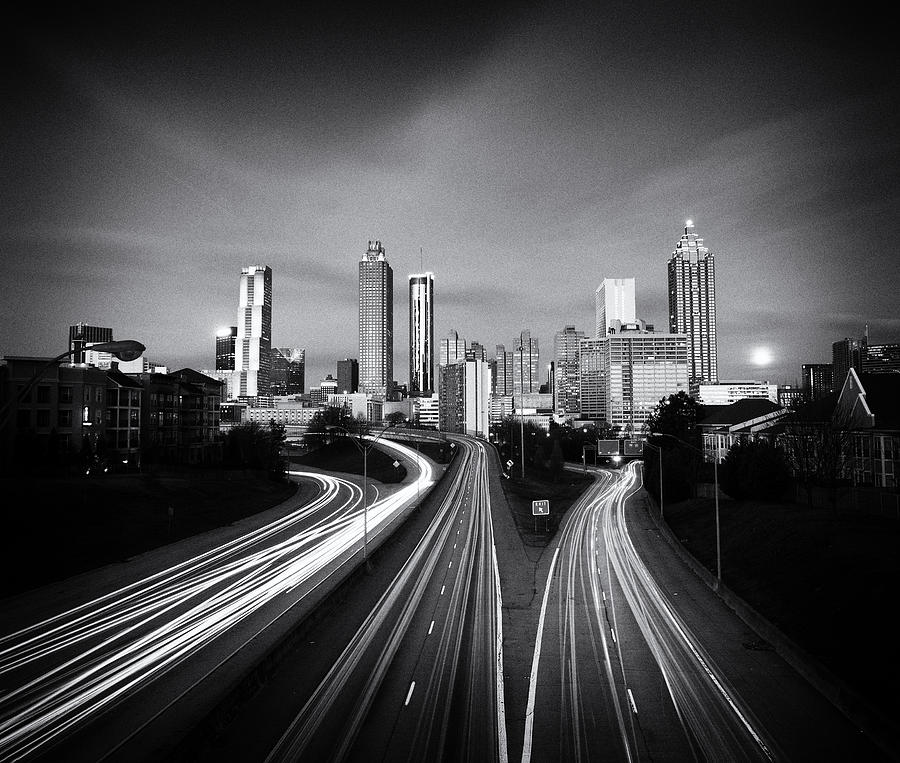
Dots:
{"x": 565, "y": 367}
{"x": 818, "y": 379}
{"x": 288, "y": 372}
{"x": 81, "y": 336}
{"x": 503, "y": 374}
{"x": 348, "y": 375}
{"x": 453, "y": 348}
{"x": 845, "y": 354}
{"x": 526, "y": 364}
{"x": 615, "y": 301}
{"x": 376, "y": 322}
{"x": 226, "y": 337}
{"x": 421, "y": 334}
{"x": 692, "y": 305}
{"x": 253, "y": 346}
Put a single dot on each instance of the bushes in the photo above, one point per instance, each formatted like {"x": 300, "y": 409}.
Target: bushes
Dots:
{"x": 754, "y": 469}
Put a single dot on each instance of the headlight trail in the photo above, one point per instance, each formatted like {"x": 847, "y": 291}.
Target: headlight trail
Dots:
{"x": 68, "y": 668}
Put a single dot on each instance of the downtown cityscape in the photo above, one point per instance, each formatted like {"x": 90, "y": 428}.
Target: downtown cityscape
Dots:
{"x": 490, "y": 383}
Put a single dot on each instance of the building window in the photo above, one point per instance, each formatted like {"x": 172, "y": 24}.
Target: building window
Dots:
{"x": 43, "y": 394}
{"x": 65, "y": 394}
{"x": 64, "y": 418}
{"x": 43, "y": 418}
{"x": 86, "y": 414}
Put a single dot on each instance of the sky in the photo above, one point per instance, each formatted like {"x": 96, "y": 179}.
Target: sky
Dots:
{"x": 522, "y": 152}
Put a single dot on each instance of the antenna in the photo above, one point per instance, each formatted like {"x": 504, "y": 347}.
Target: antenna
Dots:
{"x": 421, "y": 266}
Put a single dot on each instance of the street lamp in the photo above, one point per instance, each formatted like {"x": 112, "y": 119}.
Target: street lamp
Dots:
{"x": 716, "y": 480}
{"x": 125, "y": 350}
{"x": 364, "y": 449}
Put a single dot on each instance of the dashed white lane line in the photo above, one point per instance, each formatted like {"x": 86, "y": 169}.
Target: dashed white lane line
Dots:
{"x": 431, "y": 627}
{"x": 631, "y": 701}
{"x": 409, "y": 693}
{"x": 442, "y": 589}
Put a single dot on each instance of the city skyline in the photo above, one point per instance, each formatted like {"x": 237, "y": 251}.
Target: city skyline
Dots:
{"x": 522, "y": 165}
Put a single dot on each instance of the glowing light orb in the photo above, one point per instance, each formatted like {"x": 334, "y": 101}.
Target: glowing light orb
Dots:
{"x": 762, "y": 356}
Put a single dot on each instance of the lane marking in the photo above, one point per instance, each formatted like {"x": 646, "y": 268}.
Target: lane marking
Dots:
{"x": 431, "y": 627}
{"x": 409, "y": 693}
{"x": 442, "y": 589}
{"x": 631, "y": 700}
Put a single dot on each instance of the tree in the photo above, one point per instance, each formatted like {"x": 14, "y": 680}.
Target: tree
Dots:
{"x": 252, "y": 446}
{"x": 754, "y": 469}
{"x": 677, "y": 415}
{"x": 334, "y": 416}
{"x": 395, "y": 417}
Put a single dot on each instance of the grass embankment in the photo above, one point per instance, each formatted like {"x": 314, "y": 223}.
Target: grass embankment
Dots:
{"x": 827, "y": 579}
{"x": 538, "y": 531}
{"x": 59, "y": 527}
{"x": 343, "y": 455}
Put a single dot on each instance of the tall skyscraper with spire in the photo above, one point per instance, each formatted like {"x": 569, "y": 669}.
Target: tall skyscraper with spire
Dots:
{"x": 692, "y": 305}
{"x": 421, "y": 334}
{"x": 253, "y": 345}
{"x": 376, "y": 322}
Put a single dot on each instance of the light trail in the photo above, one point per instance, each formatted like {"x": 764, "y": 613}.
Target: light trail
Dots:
{"x": 70, "y": 668}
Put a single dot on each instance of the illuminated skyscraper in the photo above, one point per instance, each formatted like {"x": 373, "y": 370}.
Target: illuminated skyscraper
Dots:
{"x": 453, "y": 348}
{"x": 82, "y": 336}
{"x": 376, "y": 322}
{"x": 288, "y": 372}
{"x": 421, "y": 334}
{"x": 692, "y": 305}
{"x": 614, "y": 301}
{"x": 526, "y": 364}
{"x": 253, "y": 347}
{"x": 226, "y": 338}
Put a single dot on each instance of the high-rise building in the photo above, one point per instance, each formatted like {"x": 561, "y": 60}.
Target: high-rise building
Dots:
{"x": 626, "y": 374}
{"x": 82, "y": 336}
{"x": 614, "y": 301}
{"x": 421, "y": 334}
{"x": 881, "y": 358}
{"x": 818, "y": 380}
{"x": 453, "y": 348}
{"x": 226, "y": 338}
{"x": 253, "y": 344}
{"x": 464, "y": 397}
{"x": 288, "y": 372}
{"x": 502, "y": 376}
{"x": 692, "y": 305}
{"x": 845, "y": 354}
{"x": 329, "y": 386}
{"x": 475, "y": 351}
{"x": 526, "y": 364}
{"x": 566, "y": 346}
{"x": 348, "y": 375}
{"x": 376, "y": 322}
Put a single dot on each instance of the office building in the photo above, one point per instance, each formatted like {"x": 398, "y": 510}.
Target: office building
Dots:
{"x": 845, "y": 354}
{"x": 502, "y": 373}
{"x": 728, "y": 392}
{"x": 614, "y": 301}
{"x": 376, "y": 322}
{"x": 881, "y": 358}
{"x": 464, "y": 397}
{"x": 818, "y": 380}
{"x": 421, "y": 334}
{"x": 566, "y": 394}
{"x": 226, "y": 338}
{"x": 624, "y": 375}
{"x": 692, "y": 305}
{"x": 453, "y": 348}
{"x": 526, "y": 364}
{"x": 475, "y": 351}
{"x": 348, "y": 376}
{"x": 253, "y": 344}
{"x": 82, "y": 336}
{"x": 288, "y": 372}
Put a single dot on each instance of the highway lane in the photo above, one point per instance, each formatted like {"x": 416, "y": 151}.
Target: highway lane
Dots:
{"x": 617, "y": 673}
{"x": 67, "y": 672}
{"x": 421, "y": 679}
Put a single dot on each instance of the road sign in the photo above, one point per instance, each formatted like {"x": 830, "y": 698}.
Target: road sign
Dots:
{"x": 509, "y": 464}
{"x": 633, "y": 447}
{"x": 539, "y": 508}
{"x": 396, "y": 464}
{"x": 608, "y": 447}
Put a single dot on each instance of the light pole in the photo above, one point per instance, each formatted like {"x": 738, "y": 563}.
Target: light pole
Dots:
{"x": 716, "y": 481}
{"x": 364, "y": 449}
{"x": 658, "y": 450}
{"x": 127, "y": 349}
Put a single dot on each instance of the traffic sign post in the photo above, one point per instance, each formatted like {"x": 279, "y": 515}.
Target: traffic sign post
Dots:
{"x": 540, "y": 509}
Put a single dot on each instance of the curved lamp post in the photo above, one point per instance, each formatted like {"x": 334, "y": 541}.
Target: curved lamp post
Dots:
{"x": 364, "y": 449}
{"x": 715, "y": 477}
{"x": 127, "y": 349}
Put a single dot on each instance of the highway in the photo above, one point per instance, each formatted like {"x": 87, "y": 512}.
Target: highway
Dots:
{"x": 87, "y": 681}
{"x": 636, "y": 659}
{"x": 421, "y": 678}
